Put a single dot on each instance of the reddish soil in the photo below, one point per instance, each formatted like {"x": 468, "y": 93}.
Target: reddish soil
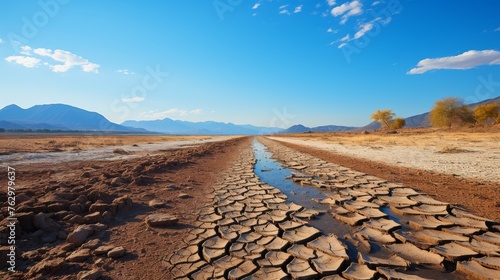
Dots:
{"x": 193, "y": 171}
{"x": 478, "y": 197}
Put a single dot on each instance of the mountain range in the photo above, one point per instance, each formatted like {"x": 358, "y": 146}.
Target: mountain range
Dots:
{"x": 57, "y": 117}
{"x": 63, "y": 117}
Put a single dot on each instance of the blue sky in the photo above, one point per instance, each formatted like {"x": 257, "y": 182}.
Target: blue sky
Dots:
{"x": 266, "y": 63}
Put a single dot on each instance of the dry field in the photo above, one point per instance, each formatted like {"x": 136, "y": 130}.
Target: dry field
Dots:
{"x": 198, "y": 207}
{"x": 466, "y": 154}
{"x": 35, "y": 143}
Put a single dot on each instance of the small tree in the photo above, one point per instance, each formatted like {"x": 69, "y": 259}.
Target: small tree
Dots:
{"x": 384, "y": 117}
{"x": 487, "y": 112}
{"x": 450, "y": 111}
{"x": 398, "y": 123}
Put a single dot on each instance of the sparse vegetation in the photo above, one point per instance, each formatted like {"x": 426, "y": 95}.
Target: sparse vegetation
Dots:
{"x": 450, "y": 112}
{"x": 386, "y": 119}
{"x": 486, "y": 113}
{"x": 398, "y": 123}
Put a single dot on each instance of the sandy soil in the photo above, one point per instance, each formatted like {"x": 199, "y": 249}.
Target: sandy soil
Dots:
{"x": 92, "y": 150}
{"x": 479, "y": 197}
{"x": 192, "y": 171}
{"x": 468, "y": 155}
{"x": 11, "y": 143}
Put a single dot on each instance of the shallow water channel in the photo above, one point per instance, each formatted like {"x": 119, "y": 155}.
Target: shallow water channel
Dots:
{"x": 273, "y": 173}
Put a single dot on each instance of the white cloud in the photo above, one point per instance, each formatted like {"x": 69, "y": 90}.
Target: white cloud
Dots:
{"x": 256, "y": 6}
{"x": 345, "y": 38}
{"x": 285, "y": 11}
{"x": 497, "y": 29}
{"x": 347, "y": 10}
{"x": 342, "y": 45}
{"x": 376, "y": 3}
{"x": 125, "y": 72}
{"x": 282, "y": 7}
{"x": 298, "y": 9}
{"x": 1, "y": 40}
{"x": 26, "y": 61}
{"x": 175, "y": 112}
{"x": 363, "y": 29}
{"x": 26, "y": 50}
{"x": 68, "y": 59}
{"x": 329, "y": 30}
{"x": 331, "y": 2}
{"x": 133, "y": 99}
{"x": 466, "y": 60}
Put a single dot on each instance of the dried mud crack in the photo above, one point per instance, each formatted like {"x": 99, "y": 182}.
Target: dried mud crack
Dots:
{"x": 204, "y": 213}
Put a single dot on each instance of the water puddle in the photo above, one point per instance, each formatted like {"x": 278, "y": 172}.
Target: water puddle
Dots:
{"x": 273, "y": 173}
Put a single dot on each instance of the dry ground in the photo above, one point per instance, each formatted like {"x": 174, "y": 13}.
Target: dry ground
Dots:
{"x": 41, "y": 143}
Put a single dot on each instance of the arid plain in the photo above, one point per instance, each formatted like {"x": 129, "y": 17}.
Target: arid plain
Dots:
{"x": 419, "y": 203}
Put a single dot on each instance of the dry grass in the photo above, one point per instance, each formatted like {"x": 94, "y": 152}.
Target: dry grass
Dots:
{"x": 437, "y": 138}
{"x": 20, "y": 143}
{"x": 452, "y": 150}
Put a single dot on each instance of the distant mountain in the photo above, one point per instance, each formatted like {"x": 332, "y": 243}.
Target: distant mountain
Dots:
{"x": 326, "y": 128}
{"x": 422, "y": 120}
{"x": 192, "y": 128}
{"x": 57, "y": 117}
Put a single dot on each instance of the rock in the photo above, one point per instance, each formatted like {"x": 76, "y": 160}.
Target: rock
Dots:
{"x": 158, "y": 220}
{"x": 117, "y": 181}
{"x": 91, "y": 244}
{"x": 98, "y": 207}
{"x": 26, "y": 220}
{"x": 56, "y": 207}
{"x": 78, "y": 256}
{"x": 77, "y": 208}
{"x": 80, "y": 234}
{"x": 48, "y": 266}
{"x": 107, "y": 216}
{"x": 43, "y": 222}
{"x": 143, "y": 180}
{"x": 157, "y": 203}
{"x": 183, "y": 195}
{"x": 117, "y": 252}
{"x": 77, "y": 219}
{"x": 416, "y": 255}
{"x": 93, "y": 274}
{"x": 92, "y": 218}
{"x": 122, "y": 202}
{"x": 49, "y": 237}
{"x": 62, "y": 235}
{"x": 103, "y": 250}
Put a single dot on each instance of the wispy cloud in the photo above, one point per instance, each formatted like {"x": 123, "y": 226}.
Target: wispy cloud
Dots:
{"x": 68, "y": 59}
{"x": 26, "y": 61}
{"x": 331, "y": 2}
{"x": 170, "y": 113}
{"x": 125, "y": 72}
{"x": 298, "y": 9}
{"x": 1, "y": 40}
{"x": 363, "y": 29}
{"x": 496, "y": 29}
{"x": 347, "y": 10}
{"x": 466, "y": 60}
{"x": 133, "y": 99}
{"x": 26, "y": 50}
{"x": 376, "y": 3}
{"x": 284, "y": 12}
{"x": 345, "y": 38}
{"x": 256, "y": 6}
{"x": 329, "y": 30}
